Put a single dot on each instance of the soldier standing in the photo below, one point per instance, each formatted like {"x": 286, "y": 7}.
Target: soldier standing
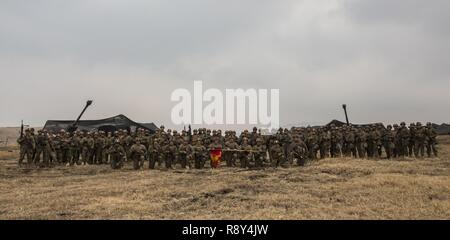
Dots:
{"x": 403, "y": 134}
{"x": 65, "y": 147}
{"x": 27, "y": 146}
{"x": 419, "y": 140}
{"x": 99, "y": 146}
{"x": 87, "y": 145}
{"x": 199, "y": 154}
{"x": 361, "y": 142}
{"x": 277, "y": 155}
{"x": 325, "y": 143}
{"x": 349, "y": 138}
{"x": 312, "y": 143}
{"x": 170, "y": 154}
{"x": 387, "y": 139}
{"x": 75, "y": 146}
{"x": 42, "y": 147}
{"x": 246, "y": 153}
{"x": 184, "y": 155}
{"x": 260, "y": 153}
{"x": 431, "y": 142}
{"x": 230, "y": 153}
{"x": 412, "y": 139}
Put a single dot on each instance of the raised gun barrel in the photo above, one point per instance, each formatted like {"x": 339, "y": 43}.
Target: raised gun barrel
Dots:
{"x": 344, "y": 106}
{"x": 74, "y": 125}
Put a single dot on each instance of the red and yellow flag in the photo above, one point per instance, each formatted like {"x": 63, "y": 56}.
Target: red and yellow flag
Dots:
{"x": 216, "y": 157}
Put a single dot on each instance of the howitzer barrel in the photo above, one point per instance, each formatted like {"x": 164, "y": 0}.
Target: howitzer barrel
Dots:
{"x": 344, "y": 106}
{"x": 74, "y": 125}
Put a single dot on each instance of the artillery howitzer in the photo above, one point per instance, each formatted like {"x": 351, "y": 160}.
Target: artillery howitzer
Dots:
{"x": 74, "y": 126}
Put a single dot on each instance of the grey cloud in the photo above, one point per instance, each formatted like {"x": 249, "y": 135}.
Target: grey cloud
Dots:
{"x": 387, "y": 59}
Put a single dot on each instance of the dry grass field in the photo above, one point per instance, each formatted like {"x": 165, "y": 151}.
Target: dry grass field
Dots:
{"x": 326, "y": 189}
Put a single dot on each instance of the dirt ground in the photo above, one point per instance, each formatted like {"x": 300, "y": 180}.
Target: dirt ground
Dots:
{"x": 326, "y": 189}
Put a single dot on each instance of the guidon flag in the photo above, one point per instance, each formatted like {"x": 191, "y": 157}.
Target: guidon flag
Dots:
{"x": 216, "y": 157}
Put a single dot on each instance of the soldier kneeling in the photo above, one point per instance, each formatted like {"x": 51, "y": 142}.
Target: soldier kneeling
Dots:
{"x": 137, "y": 154}
{"x": 117, "y": 154}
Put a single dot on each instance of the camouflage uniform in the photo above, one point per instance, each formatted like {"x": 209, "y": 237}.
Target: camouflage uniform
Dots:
{"x": 230, "y": 154}
{"x": 199, "y": 154}
{"x": 170, "y": 151}
{"x": 137, "y": 153}
{"x": 185, "y": 155}
{"x": 431, "y": 142}
{"x": 117, "y": 154}
{"x": 419, "y": 140}
{"x": 246, "y": 155}
{"x": 361, "y": 142}
{"x": 99, "y": 146}
{"x": 260, "y": 153}
{"x": 412, "y": 139}
{"x": 299, "y": 152}
{"x": 87, "y": 146}
{"x": 312, "y": 143}
{"x": 403, "y": 135}
{"x": 387, "y": 139}
{"x": 27, "y": 146}
{"x": 75, "y": 149}
{"x": 277, "y": 155}
{"x": 42, "y": 147}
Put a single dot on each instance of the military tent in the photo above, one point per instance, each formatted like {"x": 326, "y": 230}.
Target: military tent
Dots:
{"x": 111, "y": 124}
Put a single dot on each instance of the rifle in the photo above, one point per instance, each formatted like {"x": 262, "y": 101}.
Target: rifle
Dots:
{"x": 21, "y": 130}
{"x": 190, "y": 134}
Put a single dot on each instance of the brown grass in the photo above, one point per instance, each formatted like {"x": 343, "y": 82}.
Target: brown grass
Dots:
{"x": 328, "y": 189}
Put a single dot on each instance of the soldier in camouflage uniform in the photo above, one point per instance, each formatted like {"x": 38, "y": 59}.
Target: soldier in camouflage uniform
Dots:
{"x": 419, "y": 140}
{"x": 184, "y": 155}
{"x": 156, "y": 154}
{"x": 230, "y": 153}
{"x": 361, "y": 142}
{"x": 412, "y": 139}
{"x": 387, "y": 138}
{"x": 260, "y": 152}
{"x": 65, "y": 147}
{"x": 397, "y": 140}
{"x": 350, "y": 139}
{"x": 325, "y": 143}
{"x": 277, "y": 155}
{"x": 312, "y": 143}
{"x": 403, "y": 135}
{"x": 246, "y": 155}
{"x": 170, "y": 151}
{"x": 137, "y": 154}
{"x": 27, "y": 146}
{"x": 199, "y": 154}
{"x": 42, "y": 147}
{"x": 75, "y": 149}
{"x": 87, "y": 147}
{"x": 299, "y": 152}
{"x": 431, "y": 142}
{"x": 117, "y": 154}
{"x": 109, "y": 141}
{"x": 335, "y": 142}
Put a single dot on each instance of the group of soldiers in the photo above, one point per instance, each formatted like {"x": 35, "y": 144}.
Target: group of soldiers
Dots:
{"x": 192, "y": 149}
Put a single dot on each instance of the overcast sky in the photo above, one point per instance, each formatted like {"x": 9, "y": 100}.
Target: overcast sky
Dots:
{"x": 388, "y": 60}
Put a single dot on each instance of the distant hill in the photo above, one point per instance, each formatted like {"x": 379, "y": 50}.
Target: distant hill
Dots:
{"x": 442, "y": 129}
